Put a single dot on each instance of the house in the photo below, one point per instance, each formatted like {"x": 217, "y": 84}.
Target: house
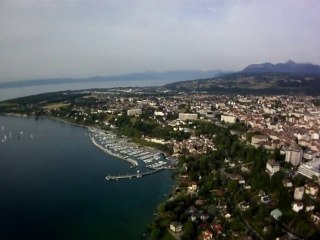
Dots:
{"x": 276, "y": 214}
{"x": 225, "y": 213}
{"x": 220, "y": 105}
{"x": 311, "y": 189}
{"x": 297, "y": 206}
{"x": 176, "y": 227}
{"x": 298, "y": 193}
{"x": 217, "y": 228}
{"x": 242, "y": 181}
{"x": 272, "y": 167}
{"x": 221, "y": 205}
{"x": 244, "y": 206}
{"x": 159, "y": 113}
{"x": 255, "y": 140}
{"x": 309, "y": 208}
{"x": 207, "y": 235}
{"x": 204, "y": 216}
{"x": 228, "y": 119}
{"x": 261, "y": 193}
{"x": 265, "y": 199}
{"x": 309, "y": 155}
{"x": 193, "y": 188}
{"x": 316, "y": 217}
{"x": 134, "y": 112}
{"x": 287, "y": 183}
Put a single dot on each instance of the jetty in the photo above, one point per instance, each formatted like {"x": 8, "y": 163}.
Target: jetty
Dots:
{"x": 135, "y": 175}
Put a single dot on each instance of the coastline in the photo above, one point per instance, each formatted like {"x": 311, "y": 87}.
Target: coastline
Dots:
{"x": 93, "y": 129}
{"x": 89, "y": 128}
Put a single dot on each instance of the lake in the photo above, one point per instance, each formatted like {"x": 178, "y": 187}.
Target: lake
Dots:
{"x": 52, "y": 185}
{"x": 14, "y": 92}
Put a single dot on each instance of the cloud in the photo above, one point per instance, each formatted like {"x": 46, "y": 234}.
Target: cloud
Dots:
{"x": 45, "y": 39}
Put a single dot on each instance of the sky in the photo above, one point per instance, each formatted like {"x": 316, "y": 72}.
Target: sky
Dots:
{"x": 57, "y": 39}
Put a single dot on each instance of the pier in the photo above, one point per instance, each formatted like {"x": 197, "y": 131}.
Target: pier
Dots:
{"x": 130, "y": 176}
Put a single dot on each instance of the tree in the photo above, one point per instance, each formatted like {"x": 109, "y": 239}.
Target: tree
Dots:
{"x": 155, "y": 234}
{"x": 190, "y": 231}
{"x": 232, "y": 186}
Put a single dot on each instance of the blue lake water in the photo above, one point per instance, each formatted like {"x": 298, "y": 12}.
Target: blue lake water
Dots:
{"x": 9, "y": 93}
{"x": 52, "y": 186}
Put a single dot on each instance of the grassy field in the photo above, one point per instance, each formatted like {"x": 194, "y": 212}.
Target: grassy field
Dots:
{"x": 56, "y": 105}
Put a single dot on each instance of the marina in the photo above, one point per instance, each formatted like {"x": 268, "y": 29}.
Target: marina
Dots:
{"x": 149, "y": 160}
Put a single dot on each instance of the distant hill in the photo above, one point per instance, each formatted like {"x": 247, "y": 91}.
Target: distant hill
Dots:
{"x": 169, "y": 75}
{"x": 258, "y": 83}
{"x": 288, "y": 67}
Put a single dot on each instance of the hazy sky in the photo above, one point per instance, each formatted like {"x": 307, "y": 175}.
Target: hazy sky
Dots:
{"x": 52, "y": 38}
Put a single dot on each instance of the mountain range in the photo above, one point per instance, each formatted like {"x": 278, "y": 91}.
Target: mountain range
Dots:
{"x": 287, "y": 67}
{"x": 267, "y": 78}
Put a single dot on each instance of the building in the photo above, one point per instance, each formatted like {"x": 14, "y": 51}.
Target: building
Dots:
{"x": 276, "y": 214}
{"x": 310, "y": 169}
{"x": 159, "y": 113}
{"x": 287, "y": 183}
{"x": 193, "y": 188}
{"x": 272, "y": 167}
{"x": 228, "y": 119}
{"x": 176, "y": 227}
{"x": 315, "y": 217}
{"x": 156, "y": 140}
{"x": 133, "y": 112}
{"x": 297, "y": 206}
{"x": 220, "y": 105}
{"x": 258, "y": 138}
{"x": 309, "y": 155}
{"x": 207, "y": 235}
{"x": 298, "y": 193}
{"x": 188, "y": 116}
{"x": 294, "y": 155}
{"x": 311, "y": 189}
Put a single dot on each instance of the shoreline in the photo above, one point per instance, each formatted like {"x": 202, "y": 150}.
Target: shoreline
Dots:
{"x": 89, "y": 128}
{"x": 92, "y": 129}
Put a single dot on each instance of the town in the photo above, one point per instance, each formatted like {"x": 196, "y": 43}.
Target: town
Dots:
{"x": 248, "y": 167}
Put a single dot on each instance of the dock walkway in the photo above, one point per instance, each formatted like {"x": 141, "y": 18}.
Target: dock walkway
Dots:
{"x": 130, "y": 176}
